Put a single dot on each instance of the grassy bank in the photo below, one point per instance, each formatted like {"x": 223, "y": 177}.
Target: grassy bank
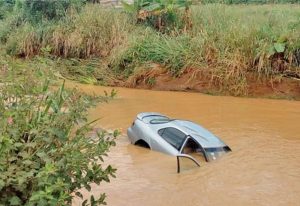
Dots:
{"x": 230, "y": 47}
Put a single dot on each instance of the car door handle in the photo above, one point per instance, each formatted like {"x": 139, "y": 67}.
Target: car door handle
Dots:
{"x": 185, "y": 156}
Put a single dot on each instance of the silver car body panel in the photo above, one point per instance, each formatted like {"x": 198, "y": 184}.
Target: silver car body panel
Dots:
{"x": 147, "y": 125}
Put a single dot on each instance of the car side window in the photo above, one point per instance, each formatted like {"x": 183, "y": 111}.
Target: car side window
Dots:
{"x": 161, "y": 131}
{"x": 173, "y": 136}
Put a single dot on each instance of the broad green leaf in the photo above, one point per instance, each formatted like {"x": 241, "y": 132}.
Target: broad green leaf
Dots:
{"x": 152, "y": 7}
{"x": 282, "y": 39}
{"x": 128, "y": 7}
{"x": 279, "y": 47}
{"x": 59, "y": 133}
{"x": 15, "y": 201}
{"x": 27, "y": 162}
{"x": 41, "y": 154}
{"x": 24, "y": 154}
{"x": 2, "y": 184}
{"x": 271, "y": 51}
{"x": 30, "y": 144}
{"x": 18, "y": 144}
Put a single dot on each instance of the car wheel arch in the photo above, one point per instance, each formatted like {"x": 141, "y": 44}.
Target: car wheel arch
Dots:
{"x": 142, "y": 143}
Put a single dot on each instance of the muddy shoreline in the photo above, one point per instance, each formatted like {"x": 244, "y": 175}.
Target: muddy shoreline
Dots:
{"x": 192, "y": 81}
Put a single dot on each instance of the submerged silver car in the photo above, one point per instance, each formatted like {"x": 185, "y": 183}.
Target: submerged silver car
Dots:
{"x": 175, "y": 137}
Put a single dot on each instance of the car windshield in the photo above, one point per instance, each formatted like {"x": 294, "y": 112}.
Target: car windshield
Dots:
{"x": 216, "y": 152}
{"x": 156, "y": 119}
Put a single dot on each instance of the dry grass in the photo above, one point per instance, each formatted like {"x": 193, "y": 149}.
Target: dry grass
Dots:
{"x": 93, "y": 32}
{"x": 225, "y": 44}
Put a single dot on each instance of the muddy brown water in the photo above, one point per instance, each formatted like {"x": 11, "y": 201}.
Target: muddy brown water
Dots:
{"x": 263, "y": 169}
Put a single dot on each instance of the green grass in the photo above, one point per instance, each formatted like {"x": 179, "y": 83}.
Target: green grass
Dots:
{"x": 226, "y": 43}
{"x": 95, "y": 31}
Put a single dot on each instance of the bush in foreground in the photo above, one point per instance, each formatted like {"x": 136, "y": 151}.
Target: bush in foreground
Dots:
{"x": 46, "y": 152}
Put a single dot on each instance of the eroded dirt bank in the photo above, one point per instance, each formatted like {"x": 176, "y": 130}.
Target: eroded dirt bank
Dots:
{"x": 195, "y": 80}
{"x": 263, "y": 169}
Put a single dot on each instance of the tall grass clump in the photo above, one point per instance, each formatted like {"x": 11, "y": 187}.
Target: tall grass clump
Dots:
{"x": 225, "y": 35}
{"x": 162, "y": 15}
{"x": 6, "y": 6}
{"x": 35, "y": 11}
{"x": 94, "y": 31}
{"x": 249, "y": 32}
{"x": 170, "y": 52}
{"x": 222, "y": 33}
{"x": 226, "y": 42}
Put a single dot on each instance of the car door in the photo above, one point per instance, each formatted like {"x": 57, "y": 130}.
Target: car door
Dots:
{"x": 173, "y": 136}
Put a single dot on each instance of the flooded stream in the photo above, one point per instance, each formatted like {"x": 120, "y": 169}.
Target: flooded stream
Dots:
{"x": 263, "y": 169}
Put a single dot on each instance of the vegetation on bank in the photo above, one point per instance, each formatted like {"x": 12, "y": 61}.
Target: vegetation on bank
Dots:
{"x": 227, "y": 44}
{"x": 49, "y": 152}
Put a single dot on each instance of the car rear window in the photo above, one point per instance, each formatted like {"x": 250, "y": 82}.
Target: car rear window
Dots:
{"x": 155, "y": 119}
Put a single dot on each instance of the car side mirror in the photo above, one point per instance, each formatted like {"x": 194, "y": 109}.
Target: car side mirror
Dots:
{"x": 185, "y": 156}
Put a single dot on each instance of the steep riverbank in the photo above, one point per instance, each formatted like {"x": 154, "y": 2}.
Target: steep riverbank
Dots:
{"x": 158, "y": 78}
{"x": 196, "y": 80}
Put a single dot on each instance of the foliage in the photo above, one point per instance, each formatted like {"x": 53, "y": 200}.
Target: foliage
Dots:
{"x": 91, "y": 71}
{"x": 6, "y": 6}
{"x": 106, "y": 45}
{"x": 47, "y": 151}
{"x": 169, "y": 52}
{"x": 160, "y": 14}
{"x": 93, "y": 32}
{"x": 36, "y": 11}
{"x": 226, "y": 43}
{"x": 278, "y": 47}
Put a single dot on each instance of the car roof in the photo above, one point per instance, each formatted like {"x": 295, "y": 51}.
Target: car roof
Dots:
{"x": 199, "y": 133}
{"x": 204, "y": 137}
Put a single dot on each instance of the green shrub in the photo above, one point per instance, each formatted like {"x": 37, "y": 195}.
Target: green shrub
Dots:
{"x": 36, "y": 11}
{"x": 9, "y": 25}
{"x": 171, "y": 52}
{"x": 6, "y": 6}
{"x": 95, "y": 31}
{"x": 163, "y": 15}
{"x": 47, "y": 150}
